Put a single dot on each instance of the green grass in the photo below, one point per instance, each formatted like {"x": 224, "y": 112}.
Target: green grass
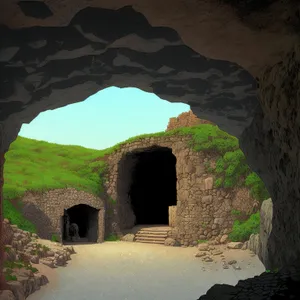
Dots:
{"x": 202, "y": 241}
{"x": 14, "y": 215}
{"x": 241, "y": 231}
{"x": 41, "y": 166}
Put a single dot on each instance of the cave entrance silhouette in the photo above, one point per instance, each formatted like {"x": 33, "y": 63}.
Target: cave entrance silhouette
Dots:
{"x": 149, "y": 183}
{"x": 86, "y": 218}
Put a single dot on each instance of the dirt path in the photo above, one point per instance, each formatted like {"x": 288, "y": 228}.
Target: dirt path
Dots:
{"x": 133, "y": 271}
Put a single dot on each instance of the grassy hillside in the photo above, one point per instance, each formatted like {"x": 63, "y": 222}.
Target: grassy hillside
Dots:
{"x": 33, "y": 165}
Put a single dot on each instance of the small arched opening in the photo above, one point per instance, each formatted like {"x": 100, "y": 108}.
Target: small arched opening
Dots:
{"x": 80, "y": 224}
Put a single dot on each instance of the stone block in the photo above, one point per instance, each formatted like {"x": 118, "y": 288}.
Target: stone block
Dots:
{"x": 209, "y": 183}
{"x": 235, "y": 245}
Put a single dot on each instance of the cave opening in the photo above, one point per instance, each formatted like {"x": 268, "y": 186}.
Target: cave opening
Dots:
{"x": 86, "y": 218}
{"x": 149, "y": 181}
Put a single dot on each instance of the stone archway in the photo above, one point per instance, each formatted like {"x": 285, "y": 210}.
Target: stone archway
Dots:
{"x": 87, "y": 220}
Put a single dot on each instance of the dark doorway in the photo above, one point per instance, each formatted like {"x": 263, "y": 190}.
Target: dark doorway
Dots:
{"x": 86, "y": 218}
{"x": 152, "y": 186}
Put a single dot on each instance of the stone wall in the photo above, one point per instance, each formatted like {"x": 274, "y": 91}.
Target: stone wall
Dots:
{"x": 46, "y": 209}
{"x": 186, "y": 119}
{"x": 203, "y": 212}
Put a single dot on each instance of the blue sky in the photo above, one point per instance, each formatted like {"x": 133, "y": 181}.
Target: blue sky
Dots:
{"x": 104, "y": 119}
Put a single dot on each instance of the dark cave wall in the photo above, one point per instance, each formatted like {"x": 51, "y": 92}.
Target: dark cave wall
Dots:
{"x": 271, "y": 145}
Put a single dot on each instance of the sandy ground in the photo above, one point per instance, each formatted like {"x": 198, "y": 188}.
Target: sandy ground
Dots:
{"x": 134, "y": 271}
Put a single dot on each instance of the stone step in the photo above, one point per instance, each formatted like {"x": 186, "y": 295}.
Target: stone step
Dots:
{"x": 150, "y": 241}
{"x": 151, "y": 234}
{"x": 157, "y": 229}
{"x": 150, "y": 238}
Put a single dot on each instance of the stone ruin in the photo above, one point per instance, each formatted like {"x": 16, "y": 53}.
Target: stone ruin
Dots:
{"x": 47, "y": 211}
{"x": 171, "y": 181}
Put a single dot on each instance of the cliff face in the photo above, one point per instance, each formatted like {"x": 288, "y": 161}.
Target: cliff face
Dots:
{"x": 186, "y": 119}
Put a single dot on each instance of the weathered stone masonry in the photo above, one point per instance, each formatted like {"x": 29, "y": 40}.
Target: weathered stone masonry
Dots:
{"x": 203, "y": 212}
{"x": 46, "y": 209}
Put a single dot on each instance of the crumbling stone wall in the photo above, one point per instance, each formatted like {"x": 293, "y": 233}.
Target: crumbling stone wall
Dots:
{"x": 203, "y": 211}
{"x": 186, "y": 119}
{"x": 46, "y": 209}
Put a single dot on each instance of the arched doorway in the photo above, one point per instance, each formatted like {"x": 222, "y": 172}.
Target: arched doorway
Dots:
{"x": 86, "y": 219}
{"x": 147, "y": 182}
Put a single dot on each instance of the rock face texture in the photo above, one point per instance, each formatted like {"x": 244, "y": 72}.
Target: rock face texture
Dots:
{"x": 46, "y": 210}
{"x": 266, "y": 218}
{"x": 249, "y": 32}
{"x": 281, "y": 285}
{"x": 203, "y": 211}
{"x": 186, "y": 119}
{"x": 82, "y": 58}
{"x": 271, "y": 145}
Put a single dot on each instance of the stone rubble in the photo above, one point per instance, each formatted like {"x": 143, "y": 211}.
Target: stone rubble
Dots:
{"x": 22, "y": 249}
{"x": 206, "y": 251}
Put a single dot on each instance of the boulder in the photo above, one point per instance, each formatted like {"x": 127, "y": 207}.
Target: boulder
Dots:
{"x": 46, "y": 262}
{"x": 17, "y": 289}
{"x": 171, "y": 242}
{"x": 35, "y": 259}
{"x": 7, "y": 295}
{"x": 254, "y": 243}
{"x": 224, "y": 239}
{"x": 203, "y": 247}
{"x": 200, "y": 254}
{"x": 130, "y": 237}
{"x": 235, "y": 245}
{"x": 266, "y": 216}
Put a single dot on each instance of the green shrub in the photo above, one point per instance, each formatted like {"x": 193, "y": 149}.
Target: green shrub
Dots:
{"x": 112, "y": 238}
{"x": 112, "y": 201}
{"x": 19, "y": 264}
{"x": 8, "y": 275}
{"x": 276, "y": 270}
{"x": 241, "y": 231}
{"x": 236, "y": 212}
{"x": 55, "y": 238}
{"x": 257, "y": 187}
{"x": 218, "y": 182}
